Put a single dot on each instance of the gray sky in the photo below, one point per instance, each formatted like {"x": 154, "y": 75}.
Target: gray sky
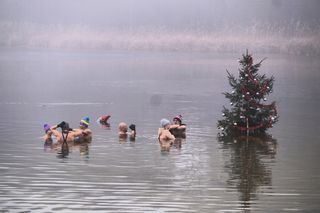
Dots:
{"x": 173, "y": 13}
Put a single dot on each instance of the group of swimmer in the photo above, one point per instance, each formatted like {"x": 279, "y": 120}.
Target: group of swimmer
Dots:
{"x": 167, "y": 133}
{"x": 82, "y": 133}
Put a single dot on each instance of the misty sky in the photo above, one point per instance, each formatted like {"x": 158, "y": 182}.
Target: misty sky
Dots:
{"x": 154, "y": 12}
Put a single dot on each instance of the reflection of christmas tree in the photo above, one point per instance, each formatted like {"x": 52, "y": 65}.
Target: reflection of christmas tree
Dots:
{"x": 247, "y": 167}
{"x": 248, "y": 115}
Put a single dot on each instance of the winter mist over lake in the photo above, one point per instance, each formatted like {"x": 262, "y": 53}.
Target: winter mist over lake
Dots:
{"x": 141, "y": 61}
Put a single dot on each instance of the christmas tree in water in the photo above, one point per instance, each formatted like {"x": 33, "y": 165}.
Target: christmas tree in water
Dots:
{"x": 248, "y": 114}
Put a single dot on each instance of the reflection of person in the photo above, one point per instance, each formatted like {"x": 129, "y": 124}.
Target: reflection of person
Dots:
{"x": 123, "y": 131}
{"x": 163, "y": 132}
{"x": 178, "y": 143}
{"x": 165, "y": 145}
{"x": 178, "y": 129}
{"x": 50, "y": 146}
{"x": 104, "y": 121}
{"x": 84, "y": 149}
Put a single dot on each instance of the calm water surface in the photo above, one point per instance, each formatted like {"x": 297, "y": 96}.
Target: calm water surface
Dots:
{"x": 198, "y": 174}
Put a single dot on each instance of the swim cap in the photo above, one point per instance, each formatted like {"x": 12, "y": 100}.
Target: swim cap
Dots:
{"x": 179, "y": 118}
{"x": 164, "y": 122}
{"x": 46, "y": 127}
{"x": 85, "y": 121}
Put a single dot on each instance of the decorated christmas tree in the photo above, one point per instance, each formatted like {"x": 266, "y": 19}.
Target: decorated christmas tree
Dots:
{"x": 248, "y": 114}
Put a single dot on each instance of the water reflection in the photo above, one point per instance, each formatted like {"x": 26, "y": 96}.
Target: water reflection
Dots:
{"x": 177, "y": 143}
{"x": 71, "y": 147}
{"x": 246, "y": 167}
{"x": 125, "y": 138}
{"x": 105, "y": 126}
{"x": 166, "y": 145}
{"x": 48, "y": 145}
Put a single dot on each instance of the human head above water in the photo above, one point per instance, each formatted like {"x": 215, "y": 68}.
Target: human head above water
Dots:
{"x": 123, "y": 127}
{"x": 177, "y": 119}
{"x": 84, "y": 123}
{"x": 132, "y": 127}
{"x": 164, "y": 122}
{"x": 46, "y": 128}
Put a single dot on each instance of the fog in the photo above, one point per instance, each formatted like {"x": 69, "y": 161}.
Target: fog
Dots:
{"x": 152, "y": 12}
{"x": 180, "y": 25}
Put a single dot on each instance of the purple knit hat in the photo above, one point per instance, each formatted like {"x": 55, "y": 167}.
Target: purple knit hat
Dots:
{"x": 46, "y": 127}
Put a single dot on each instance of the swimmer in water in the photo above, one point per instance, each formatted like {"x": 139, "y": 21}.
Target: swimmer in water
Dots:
{"x": 163, "y": 132}
{"x": 83, "y": 133}
{"x": 52, "y": 131}
{"x": 178, "y": 129}
{"x": 103, "y": 120}
{"x": 123, "y": 131}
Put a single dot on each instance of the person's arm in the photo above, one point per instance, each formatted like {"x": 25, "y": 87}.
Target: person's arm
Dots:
{"x": 54, "y": 127}
{"x": 182, "y": 126}
{"x": 55, "y": 132}
{"x": 174, "y": 126}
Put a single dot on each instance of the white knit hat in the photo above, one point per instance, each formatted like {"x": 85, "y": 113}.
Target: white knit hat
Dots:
{"x": 164, "y": 122}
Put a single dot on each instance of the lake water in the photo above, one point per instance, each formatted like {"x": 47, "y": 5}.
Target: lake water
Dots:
{"x": 198, "y": 174}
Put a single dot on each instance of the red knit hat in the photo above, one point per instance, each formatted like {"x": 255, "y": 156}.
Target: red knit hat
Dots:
{"x": 178, "y": 117}
{"x": 105, "y": 117}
